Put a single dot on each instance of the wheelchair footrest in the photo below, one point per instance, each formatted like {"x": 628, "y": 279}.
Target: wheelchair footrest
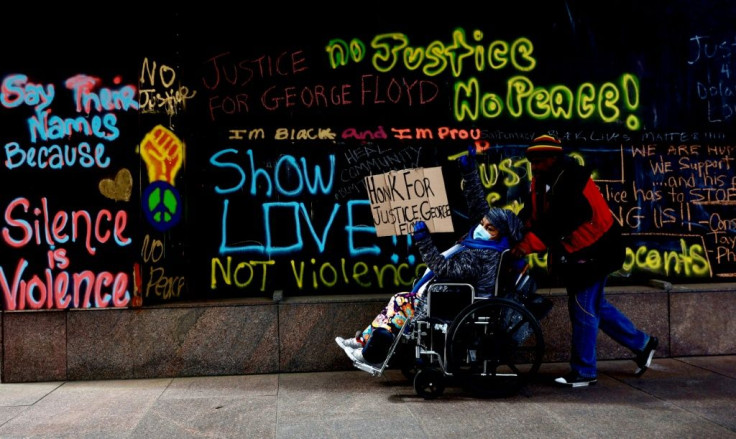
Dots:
{"x": 373, "y": 370}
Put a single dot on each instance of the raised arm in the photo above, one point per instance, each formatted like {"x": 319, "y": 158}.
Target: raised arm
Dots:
{"x": 472, "y": 187}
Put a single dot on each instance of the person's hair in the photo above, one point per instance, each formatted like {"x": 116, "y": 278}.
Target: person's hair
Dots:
{"x": 507, "y": 223}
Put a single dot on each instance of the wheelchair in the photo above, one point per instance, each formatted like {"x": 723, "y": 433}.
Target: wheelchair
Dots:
{"x": 491, "y": 346}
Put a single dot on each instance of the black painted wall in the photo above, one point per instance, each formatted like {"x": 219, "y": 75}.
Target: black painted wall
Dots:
{"x": 221, "y": 154}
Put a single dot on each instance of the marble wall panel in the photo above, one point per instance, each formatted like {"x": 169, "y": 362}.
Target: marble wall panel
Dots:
{"x": 172, "y": 342}
{"x": 34, "y": 346}
{"x": 703, "y": 323}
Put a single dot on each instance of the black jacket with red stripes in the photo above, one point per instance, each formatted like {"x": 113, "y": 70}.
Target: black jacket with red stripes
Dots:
{"x": 568, "y": 216}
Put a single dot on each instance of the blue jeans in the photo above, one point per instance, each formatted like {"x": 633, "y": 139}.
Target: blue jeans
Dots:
{"x": 589, "y": 311}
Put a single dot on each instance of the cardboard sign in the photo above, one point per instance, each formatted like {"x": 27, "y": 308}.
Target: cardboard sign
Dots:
{"x": 399, "y": 199}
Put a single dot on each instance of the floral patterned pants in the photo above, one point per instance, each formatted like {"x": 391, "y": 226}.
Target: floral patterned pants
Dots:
{"x": 392, "y": 317}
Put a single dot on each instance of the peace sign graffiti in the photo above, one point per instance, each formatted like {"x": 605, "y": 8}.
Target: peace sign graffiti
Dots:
{"x": 161, "y": 205}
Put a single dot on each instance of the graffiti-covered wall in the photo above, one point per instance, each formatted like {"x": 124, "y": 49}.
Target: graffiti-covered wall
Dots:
{"x": 224, "y": 156}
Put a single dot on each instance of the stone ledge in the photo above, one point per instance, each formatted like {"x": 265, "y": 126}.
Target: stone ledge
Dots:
{"x": 296, "y": 334}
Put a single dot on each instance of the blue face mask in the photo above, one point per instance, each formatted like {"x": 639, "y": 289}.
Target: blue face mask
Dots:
{"x": 481, "y": 233}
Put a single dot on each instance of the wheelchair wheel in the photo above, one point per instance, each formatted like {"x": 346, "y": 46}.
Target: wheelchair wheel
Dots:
{"x": 429, "y": 383}
{"x": 495, "y": 347}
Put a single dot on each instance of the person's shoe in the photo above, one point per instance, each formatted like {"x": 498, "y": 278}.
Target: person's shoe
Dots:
{"x": 350, "y": 342}
{"x": 573, "y": 379}
{"x": 357, "y": 356}
{"x": 644, "y": 357}
{"x": 348, "y": 350}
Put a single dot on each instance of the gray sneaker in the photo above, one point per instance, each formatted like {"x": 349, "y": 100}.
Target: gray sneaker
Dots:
{"x": 357, "y": 356}
{"x": 350, "y": 351}
{"x": 340, "y": 342}
{"x": 351, "y": 342}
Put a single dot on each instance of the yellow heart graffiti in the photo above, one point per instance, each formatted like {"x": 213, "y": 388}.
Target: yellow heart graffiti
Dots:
{"x": 118, "y": 189}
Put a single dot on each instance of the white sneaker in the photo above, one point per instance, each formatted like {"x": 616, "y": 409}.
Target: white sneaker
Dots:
{"x": 357, "y": 356}
{"x": 351, "y": 342}
{"x": 348, "y": 350}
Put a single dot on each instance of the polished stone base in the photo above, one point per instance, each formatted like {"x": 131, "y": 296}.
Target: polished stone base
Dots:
{"x": 296, "y": 334}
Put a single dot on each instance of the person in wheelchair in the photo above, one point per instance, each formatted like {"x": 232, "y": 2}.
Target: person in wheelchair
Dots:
{"x": 474, "y": 259}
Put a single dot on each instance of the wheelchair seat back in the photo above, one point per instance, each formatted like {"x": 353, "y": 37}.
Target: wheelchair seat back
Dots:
{"x": 510, "y": 281}
{"x": 445, "y": 300}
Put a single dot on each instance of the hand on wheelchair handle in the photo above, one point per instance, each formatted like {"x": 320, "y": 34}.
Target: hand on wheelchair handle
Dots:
{"x": 517, "y": 252}
{"x": 420, "y": 230}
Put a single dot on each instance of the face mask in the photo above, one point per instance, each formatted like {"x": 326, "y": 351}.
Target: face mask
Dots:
{"x": 481, "y": 233}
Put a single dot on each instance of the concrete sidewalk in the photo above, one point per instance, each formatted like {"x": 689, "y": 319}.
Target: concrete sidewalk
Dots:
{"x": 690, "y": 397}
